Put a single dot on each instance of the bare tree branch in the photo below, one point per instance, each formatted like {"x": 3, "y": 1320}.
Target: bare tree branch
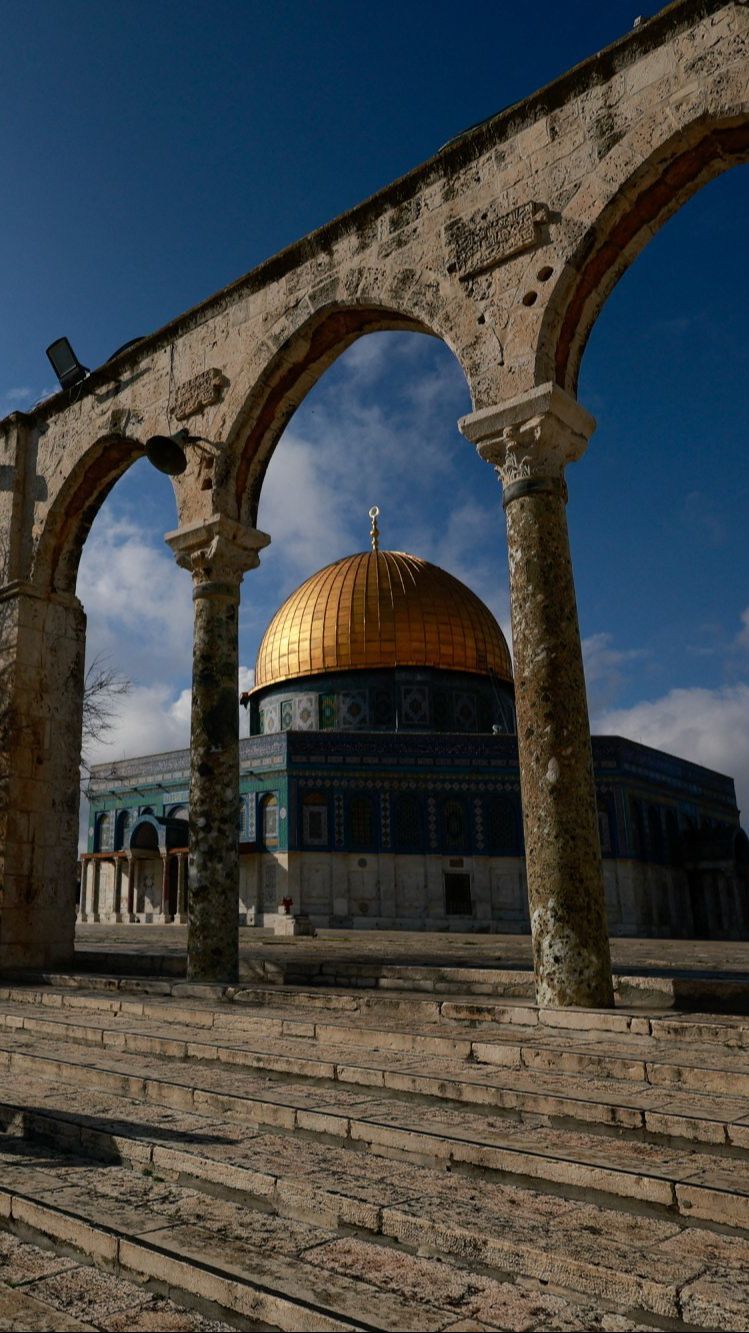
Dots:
{"x": 102, "y": 687}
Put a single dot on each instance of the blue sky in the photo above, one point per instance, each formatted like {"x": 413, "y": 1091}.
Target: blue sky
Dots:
{"x": 154, "y": 152}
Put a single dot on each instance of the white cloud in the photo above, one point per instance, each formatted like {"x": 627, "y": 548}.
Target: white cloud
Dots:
{"x": 382, "y": 430}
{"x": 138, "y": 601}
{"x": 710, "y": 727}
{"x": 19, "y": 395}
{"x": 605, "y": 668}
{"x": 743, "y": 636}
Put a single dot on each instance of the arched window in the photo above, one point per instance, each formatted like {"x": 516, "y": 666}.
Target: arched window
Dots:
{"x": 503, "y": 826}
{"x": 408, "y": 835}
{"x": 270, "y": 819}
{"x": 362, "y": 822}
{"x": 454, "y": 825}
{"x": 315, "y": 819}
{"x": 145, "y": 837}
{"x": 104, "y": 839}
{"x": 122, "y": 828}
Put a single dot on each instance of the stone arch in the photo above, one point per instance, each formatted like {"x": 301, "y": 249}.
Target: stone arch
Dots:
{"x": 303, "y": 349}
{"x": 76, "y": 504}
{"x": 637, "y": 201}
{"x": 147, "y": 835}
{"x": 122, "y": 827}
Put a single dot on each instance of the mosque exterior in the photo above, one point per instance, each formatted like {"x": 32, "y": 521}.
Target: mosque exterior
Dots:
{"x": 380, "y": 783}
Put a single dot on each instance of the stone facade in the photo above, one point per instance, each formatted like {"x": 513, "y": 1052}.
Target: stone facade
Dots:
{"x": 413, "y": 832}
{"x": 505, "y": 244}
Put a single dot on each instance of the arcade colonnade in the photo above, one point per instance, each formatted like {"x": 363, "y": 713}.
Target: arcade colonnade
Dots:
{"x": 122, "y": 886}
{"x": 505, "y": 245}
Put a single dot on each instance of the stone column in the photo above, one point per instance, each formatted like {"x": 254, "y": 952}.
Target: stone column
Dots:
{"x": 164, "y": 885}
{"x": 42, "y": 642}
{"x": 181, "y": 886}
{"x": 117, "y": 901}
{"x": 130, "y": 888}
{"x": 83, "y": 905}
{"x": 529, "y": 440}
{"x": 135, "y": 865}
{"x": 95, "y": 913}
{"x": 217, "y": 553}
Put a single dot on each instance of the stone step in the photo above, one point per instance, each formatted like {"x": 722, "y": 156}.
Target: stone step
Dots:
{"x": 642, "y": 1265}
{"x": 566, "y": 1085}
{"x": 453, "y": 1032}
{"x": 682, "y": 1180}
{"x": 276, "y": 1271}
{"x": 44, "y": 1290}
{"x": 658, "y": 988}
{"x": 196, "y": 1004}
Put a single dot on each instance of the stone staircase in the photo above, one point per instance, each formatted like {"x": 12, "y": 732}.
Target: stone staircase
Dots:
{"x": 321, "y": 1159}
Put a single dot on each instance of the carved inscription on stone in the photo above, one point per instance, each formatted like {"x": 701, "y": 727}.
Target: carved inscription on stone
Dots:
{"x": 198, "y": 393}
{"x": 489, "y": 237}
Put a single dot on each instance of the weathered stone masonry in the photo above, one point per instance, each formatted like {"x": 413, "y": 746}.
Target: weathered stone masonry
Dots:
{"x": 505, "y": 245}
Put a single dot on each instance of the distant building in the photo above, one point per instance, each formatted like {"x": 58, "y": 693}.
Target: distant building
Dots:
{"x": 380, "y": 783}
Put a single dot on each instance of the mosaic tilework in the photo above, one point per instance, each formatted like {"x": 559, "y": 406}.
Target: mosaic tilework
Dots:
{"x": 385, "y": 820}
{"x": 270, "y": 718}
{"x": 414, "y": 705}
{"x": 478, "y": 824}
{"x": 354, "y": 709}
{"x": 305, "y": 712}
{"x": 464, "y": 706}
{"x": 338, "y": 823}
{"x": 432, "y": 823}
{"x": 328, "y": 712}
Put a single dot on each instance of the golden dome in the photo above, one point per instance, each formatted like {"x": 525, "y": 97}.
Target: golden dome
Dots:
{"x": 381, "y": 609}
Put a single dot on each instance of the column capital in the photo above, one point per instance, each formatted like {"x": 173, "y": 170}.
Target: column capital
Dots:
{"x": 217, "y": 552}
{"x": 530, "y": 439}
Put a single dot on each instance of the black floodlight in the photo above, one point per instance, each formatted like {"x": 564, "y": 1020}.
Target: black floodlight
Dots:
{"x": 167, "y": 452}
{"x": 65, "y": 363}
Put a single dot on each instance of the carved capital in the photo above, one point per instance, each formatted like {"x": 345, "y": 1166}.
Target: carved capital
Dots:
{"x": 530, "y": 439}
{"x": 217, "y": 553}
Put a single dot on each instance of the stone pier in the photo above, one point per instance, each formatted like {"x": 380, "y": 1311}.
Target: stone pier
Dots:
{"x": 42, "y": 647}
{"x": 217, "y": 553}
{"x": 529, "y": 440}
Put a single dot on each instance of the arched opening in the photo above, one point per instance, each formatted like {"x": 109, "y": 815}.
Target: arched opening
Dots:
{"x": 657, "y": 516}
{"x": 304, "y": 355}
{"x": 667, "y": 179}
{"x": 139, "y": 625}
{"x": 145, "y": 836}
{"x": 269, "y": 820}
{"x": 378, "y": 427}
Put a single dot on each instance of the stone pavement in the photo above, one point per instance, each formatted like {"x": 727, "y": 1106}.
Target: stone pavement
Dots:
{"x": 333, "y": 1157}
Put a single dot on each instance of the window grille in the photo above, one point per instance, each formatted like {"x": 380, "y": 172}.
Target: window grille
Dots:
{"x": 454, "y": 824}
{"x": 362, "y": 822}
{"x": 408, "y": 822}
{"x": 315, "y": 820}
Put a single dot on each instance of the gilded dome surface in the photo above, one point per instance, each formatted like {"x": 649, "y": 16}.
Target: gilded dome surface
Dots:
{"x": 381, "y": 609}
